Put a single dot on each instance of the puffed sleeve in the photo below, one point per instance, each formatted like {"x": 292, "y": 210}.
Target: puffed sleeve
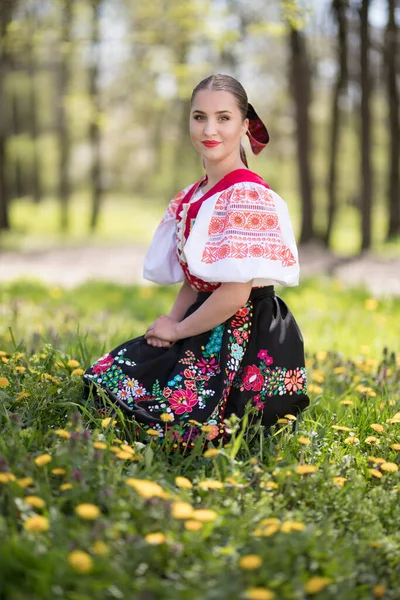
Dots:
{"x": 161, "y": 263}
{"x": 244, "y": 233}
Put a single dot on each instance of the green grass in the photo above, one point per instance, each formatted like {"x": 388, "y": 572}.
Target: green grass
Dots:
{"x": 342, "y": 530}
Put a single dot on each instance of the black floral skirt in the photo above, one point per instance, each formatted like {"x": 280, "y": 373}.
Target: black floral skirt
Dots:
{"x": 255, "y": 357}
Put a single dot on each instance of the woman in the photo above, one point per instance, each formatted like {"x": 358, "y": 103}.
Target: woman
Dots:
{"x": 228, "y": 340}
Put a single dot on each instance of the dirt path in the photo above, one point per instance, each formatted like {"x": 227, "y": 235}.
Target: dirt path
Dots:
{"x": 123, "y": 264}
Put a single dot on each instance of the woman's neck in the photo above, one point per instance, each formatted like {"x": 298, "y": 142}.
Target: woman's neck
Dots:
{"x": 216, "y": 171}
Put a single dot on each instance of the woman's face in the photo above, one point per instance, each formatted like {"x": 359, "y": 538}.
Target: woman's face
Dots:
{"x": 216, "y": 125}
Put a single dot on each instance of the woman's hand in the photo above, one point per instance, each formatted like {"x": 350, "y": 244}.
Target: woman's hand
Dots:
{"x": 157, "y": 342}
{"x": 164, "y": 328}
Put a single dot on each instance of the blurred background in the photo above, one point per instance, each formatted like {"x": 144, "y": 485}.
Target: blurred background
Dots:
{"x": 94, "y": 108}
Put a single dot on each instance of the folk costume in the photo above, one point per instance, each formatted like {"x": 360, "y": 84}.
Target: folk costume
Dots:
{"x": 237, "y": 231}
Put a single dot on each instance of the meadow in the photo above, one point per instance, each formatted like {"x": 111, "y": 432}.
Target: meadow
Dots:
{"x": 92, "y": 508}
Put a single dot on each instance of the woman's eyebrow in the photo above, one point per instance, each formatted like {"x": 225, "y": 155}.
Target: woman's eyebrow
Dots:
{"x": 218, "y": 112}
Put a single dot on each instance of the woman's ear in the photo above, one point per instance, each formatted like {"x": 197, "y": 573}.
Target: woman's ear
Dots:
{"x": 245, "y": 127}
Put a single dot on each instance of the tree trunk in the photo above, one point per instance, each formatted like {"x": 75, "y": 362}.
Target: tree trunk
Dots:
{"x": 94, "y": 131}
{"x": 34, "y": 129}
{"x": 64, "y": 189}
{"x": 339, "y": 8}
{"x": 391, "y": 51}
{"x": 301, "y": 81}
{"x": 366, "y": 169}
{"x": 5, "y": 18}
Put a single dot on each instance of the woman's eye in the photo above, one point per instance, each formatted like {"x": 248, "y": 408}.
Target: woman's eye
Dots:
{"x": 224, "y": 118}
{"x": 198, "y": 117}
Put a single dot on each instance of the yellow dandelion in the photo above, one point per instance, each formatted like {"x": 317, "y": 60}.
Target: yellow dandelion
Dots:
{"x": 6, "y": 477}
{"x": 270, "y": 521}
{"x": 181, "y": 510}
{"x": 20, "y": 369}
{"x": 115, "y": 449}
{"x": 316, "y": 389}
{"x": 153, "y": 432}
{"x": 100, "y": 445}
{"x": 22, "y": 396}
{"x": 89, "y": 512}
{"x": 282, "y": 420}
{"x": 62, "y": 433}
{"x": 347, "y": 402}
{"x": 375, "y": 544}
{"x": 210, "y": 484}
{"x": 155, "y": 538}
{"x": 339, "y": 370}
{"x": 4, "y": 360}
{"x": 81, "y": 562}
{"x": 100, "y": 548}
{"x": 377, "y": 427}
{"x": 183, "y": 482}
{"x": 371, "y": 304}
{"x": 267, "y": 531}
{"x": 341, "y": 428}
{"x": 339, "y": 481}
{"x": 192, "y": 525}
{"x": 390, "y": 467}
{"x": 48, "y": 377}
{"x": 321, "y": 355}
{"x": 204, "y": 515}
{"x": 352, "y": 439}
{"x": 317, "y": 376}
{"x": 65, "y": 487}
{"x": 25, "y": 482}
{"x": 395, "y": 447}
{"x": 108, "y": 421}
{"x": 259, "y": 593}
{"x": 77, "y": 372}
{"x": 269, "y": 485}
{"x": 375, "y": 473}
{"x": 306, "y": 469}
{"x": 42, "y": 460}
{"x": 289, "y": 526}
{"x": 290, "y": 417}
{"x": 37, "y": 524}
{"x": 3, "y": 353}
{"x": 73, "y": 363}
{"x": 124, "y": 455}
{"x": 211, "y": 452}
{"x": 146, "y": 488}
{"x": 35, "y": 501}
{"x": 304, "y": 441}
{"x": 166, "y": 417}
{"x": 379, "y": 591}
{"x": 231, "y": 481}
{"x": 371, "y": 439}
{"x": 58, "y": 471}
{"x": 249, "y": 562}
{"x": 315, "y": 585}
{"x": 4, "y": 382}
{"x": 376, "y": 460}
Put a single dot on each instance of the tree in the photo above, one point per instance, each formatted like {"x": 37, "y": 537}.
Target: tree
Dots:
{"x": 365, "y": 139}
{"x": 391, "y": 60}
{"x": 94, "y": 127}
{"x": 5, "y": 19}
{"x": 339, "y": 9}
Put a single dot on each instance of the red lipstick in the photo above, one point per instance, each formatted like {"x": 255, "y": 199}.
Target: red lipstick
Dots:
{"x": 211, "y": 144}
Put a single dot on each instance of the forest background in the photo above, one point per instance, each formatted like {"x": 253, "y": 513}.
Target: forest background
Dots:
{"x": 94, "y": 98}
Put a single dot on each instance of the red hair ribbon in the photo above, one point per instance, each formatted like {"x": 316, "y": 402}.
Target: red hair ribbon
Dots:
{"x": 257, "y": 132}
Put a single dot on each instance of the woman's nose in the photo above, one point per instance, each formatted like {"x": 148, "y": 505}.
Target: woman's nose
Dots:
{"x": 209, "y": 127}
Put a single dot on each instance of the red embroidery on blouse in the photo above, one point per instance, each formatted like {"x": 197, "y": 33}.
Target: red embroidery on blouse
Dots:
{"x": 170, "y": 213}
{"x": 245, "y": 224}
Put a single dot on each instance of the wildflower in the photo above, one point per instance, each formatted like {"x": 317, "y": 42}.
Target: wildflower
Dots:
{"x": 371, "y": 304}
{"x": 371, "y": 439}
{"x": 80, "y": 561}
{"x": 282, "y": 420}
{"x": 62, "y": 433}
{"x": 250, "y": 562}
{"x": 48, "y": 377}
{"x": 270, "y": 521}
{"x": 100, "y": 548}
{"x": 316, "y": 389}
{"x": 341, "y": 428}
{"x": 43, "y": 459}
{"x": 65, "y": 486}
{"x": 6, "y": 477}
{"x": 339, "y": 481}
{"x": 183, "y": 482}
{"x": 77, "y": 372}
{"x": 268, "y": 530}
{"x": 22, "y": 395}
{"x": 290, "y": 417}
{"x": 321, "y": 355}
{"x": 146, "y": 488}
{"x": 20, "y": 369}
{"x": 124, "y": 455}
{"x": 35, "y": 501}
{"x": 193, "y": 525}
{"x": 289, "y": 526}
{"x": 390, "y": 467}
{"x": 375, "y": 473}
{"x": 108, "y": 421}
{"x": 305, "y": 441}
{"x": 58, "y": 471}
{"x": 153, "y": 432}
{"x": 379, "y": 591}
{"x": 210, "y": 484}
{"x": 377, "y": 427}
{"x": 37, "y": 524}
{"x": 25, "y": 482}
{"x": 306, "y": 469}
{"x": 166, "y": 417}
{"x": 346, "y": 402}
{"x": 73, "y": 363}
{"x": 211, "y": 452}
{"x": 259, "y": 593}
{"x": 155, "y": 538}
{"x": 269, "y": 485}
{"x": 182, "y": 510}
{"x": 395, "y": 447}
{"x": 376, "y": 460}
{"x": 99, "y": 445}
{"x": 315, "y": 585}
{"x": 339, "y": 370}
{"x": 204, "y": 515}
{"x": 4, "y": 382}
{"x": 89, "y": 512}
{"x": 352, "y": 440}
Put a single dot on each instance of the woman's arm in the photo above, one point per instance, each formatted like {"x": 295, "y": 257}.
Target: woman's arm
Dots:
{"x": 185, "y": 298}
{"x": 222, "y": 304}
